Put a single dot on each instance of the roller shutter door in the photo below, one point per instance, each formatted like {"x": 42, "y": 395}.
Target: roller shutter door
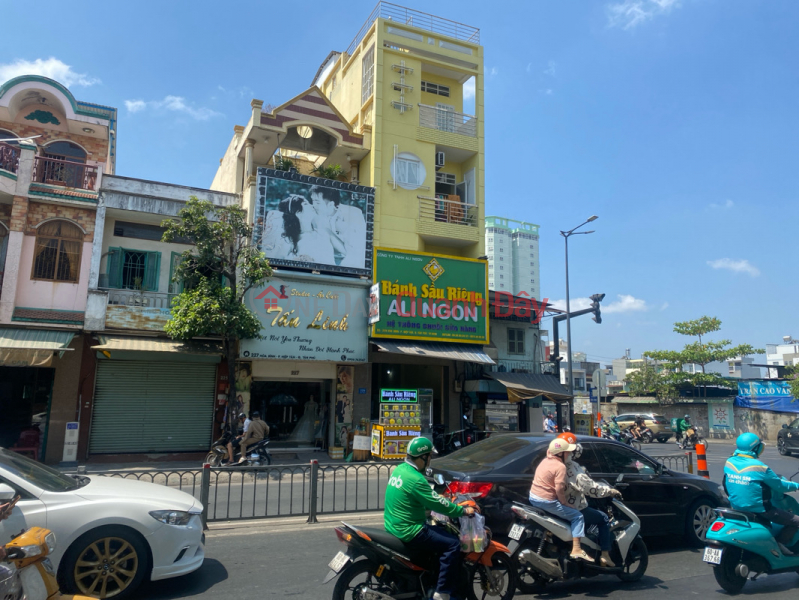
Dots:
{"x": 142, "y": 406}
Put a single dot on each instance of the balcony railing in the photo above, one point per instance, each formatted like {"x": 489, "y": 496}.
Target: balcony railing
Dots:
{"x": 447, "y": 210}
{"x": 70, "y": 174}
{"x": 513, "y": 366}
{"x": 9, "y": 157}
{"x": 415, "y": 18}
{"x": 139, "y": 299}
{"x": 450, "y": 121}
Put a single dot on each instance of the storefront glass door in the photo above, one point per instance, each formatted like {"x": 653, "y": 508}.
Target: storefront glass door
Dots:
{"x": 292, "y": 409}
{"x": 25, "y": 394}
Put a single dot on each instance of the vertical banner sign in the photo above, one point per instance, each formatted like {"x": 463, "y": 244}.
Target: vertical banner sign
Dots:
{"x": 428, "y": 297}
{"x": 344, "y": 389}
{"x": 374, "y": 304}
{"x": 720, "y": 415}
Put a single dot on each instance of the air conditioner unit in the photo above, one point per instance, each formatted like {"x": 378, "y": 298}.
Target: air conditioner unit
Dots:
{"x": 439, "y": 160}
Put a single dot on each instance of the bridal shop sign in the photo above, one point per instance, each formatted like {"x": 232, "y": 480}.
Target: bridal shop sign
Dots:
{"x": 430, "y": 297}
{"x": 314, "y": 223}
{"x": 308, "y": 320}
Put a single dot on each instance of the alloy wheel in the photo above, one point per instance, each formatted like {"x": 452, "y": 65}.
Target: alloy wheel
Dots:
{"x": 704, "y": 516}
{"x": 106, "y": 567}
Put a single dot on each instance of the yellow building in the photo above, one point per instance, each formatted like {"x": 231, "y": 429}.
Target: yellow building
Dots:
{"x": 390, "y": 110}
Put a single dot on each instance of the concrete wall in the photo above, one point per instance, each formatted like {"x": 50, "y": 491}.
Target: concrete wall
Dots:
{"x": 64, "y": 403}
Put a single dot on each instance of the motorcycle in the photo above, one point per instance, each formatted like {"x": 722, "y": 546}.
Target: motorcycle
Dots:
{"x": 258, "y": 452}
{"x": 691, "y": 439}
{"x": 378, "y": 566}
{"x": 541, "y": 544}
{"x": 29, "y": 574}
{"x": 445, "y": 443}
{"x": 741, "y": 543}
{"x": 647, "y": 435}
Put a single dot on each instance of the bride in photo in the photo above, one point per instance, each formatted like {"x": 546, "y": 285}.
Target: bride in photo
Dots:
{"x": 304, "y": 237}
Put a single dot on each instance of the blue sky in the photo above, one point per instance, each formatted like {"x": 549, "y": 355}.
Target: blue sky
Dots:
{"x": 674, "y": 121}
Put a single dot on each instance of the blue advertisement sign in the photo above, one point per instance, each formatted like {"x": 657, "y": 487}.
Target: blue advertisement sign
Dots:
{"x": 766, "y": 395}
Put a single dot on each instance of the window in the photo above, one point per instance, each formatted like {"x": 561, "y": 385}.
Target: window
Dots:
{"x": 515, "y": 341}
{"x": 501, "y": 258}
{"x": 408, "y": 171}
{"x": 491, "y": 248}
{"x": 367, "y": 74}
{"x": 502, "y": 277}
{"x": 589, "y": 459}
{"x": 63, "y": 170}
{"x": 619, "y": 459}
{"x": 445, "y": 117}
{"x": 501, "y": 268}
{"x": 133, "y": 269}
{"x": 58, "y": 250}
{"x": 433, "y": 88}
{"x": 795, "y": 424}
{"x": 502, "y": 249}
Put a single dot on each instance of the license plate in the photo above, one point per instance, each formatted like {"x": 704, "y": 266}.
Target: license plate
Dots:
{"x": 339, "y": 561}
{"x": 516, "y": 532}
{"x": 712, "y": 556}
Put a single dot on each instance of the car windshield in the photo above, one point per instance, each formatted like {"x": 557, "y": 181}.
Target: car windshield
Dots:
{"x": 40, "y": 475}
{"x": 493, "y": 450}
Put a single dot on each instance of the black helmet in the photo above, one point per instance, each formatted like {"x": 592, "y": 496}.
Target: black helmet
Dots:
{"x": 256, "y": 414}
{"x": 242, "y": 416}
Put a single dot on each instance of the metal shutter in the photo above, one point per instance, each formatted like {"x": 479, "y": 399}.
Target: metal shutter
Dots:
{"x": 152, "y": 407}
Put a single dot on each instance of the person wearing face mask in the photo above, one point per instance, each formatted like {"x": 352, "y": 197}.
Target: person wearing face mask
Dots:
{"x": 580, "y": 486}
{"x": 408, "y": 498}
{"x": 548, "y": 492}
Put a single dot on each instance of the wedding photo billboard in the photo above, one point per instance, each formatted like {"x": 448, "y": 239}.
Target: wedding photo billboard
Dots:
{"x": 313, "y": 223}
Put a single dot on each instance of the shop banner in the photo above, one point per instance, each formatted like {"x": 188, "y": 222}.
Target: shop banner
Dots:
{"x": 308, "y": 320}
{"x": 344, "y": 381}
{"x": 720, "y": 415}
{"x": 431, "y": 297}
{"x": 766, "y": 395}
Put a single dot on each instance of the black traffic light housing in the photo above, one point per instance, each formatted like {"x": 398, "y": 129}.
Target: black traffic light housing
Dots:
{"x": 595, "y": 300}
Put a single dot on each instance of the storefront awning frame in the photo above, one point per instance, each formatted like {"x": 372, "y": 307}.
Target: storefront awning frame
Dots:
{"x": 522, "y": 386}
{"x": 32, "y": 347}
{"x": 473, "y": 353}
{"x": 111, "y": 343}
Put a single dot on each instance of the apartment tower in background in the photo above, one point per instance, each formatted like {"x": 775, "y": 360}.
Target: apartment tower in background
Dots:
{"x": 512, "y": 250}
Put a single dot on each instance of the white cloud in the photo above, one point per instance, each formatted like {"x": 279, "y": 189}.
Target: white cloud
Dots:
{"x": 173, "y": 103}
{"x": 551, "y": 68}
{"x": 664, "y": 306}
{"x": 51, "y": 67}
{"x": 493, "y": 71}
{"x": 625, "y": 303}
{"x": 576, "y": 304}
{"x": 728, "y": 204}
{"x": 631, "y": 13}
{"x": 468, "y": 89}
{"x": 736, "y": 266}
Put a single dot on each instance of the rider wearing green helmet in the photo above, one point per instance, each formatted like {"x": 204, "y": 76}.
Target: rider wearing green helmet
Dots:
{"x": 408, "y": 498}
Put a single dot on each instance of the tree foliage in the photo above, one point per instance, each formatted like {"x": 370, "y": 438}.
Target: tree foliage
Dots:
{"x": 217, "y": 272}
{"x": 701, "y": 353}
{"x": 649, "y": 380}
{"x": 792, "y": 375}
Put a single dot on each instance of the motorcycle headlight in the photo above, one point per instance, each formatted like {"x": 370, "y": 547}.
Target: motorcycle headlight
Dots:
{"x": 31, "y": 550}
{"x": 171, "y": 517}
{"x": 50, "y": 541}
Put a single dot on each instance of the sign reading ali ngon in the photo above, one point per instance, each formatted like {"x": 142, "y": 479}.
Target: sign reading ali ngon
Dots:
{"x": 429, "y": 297}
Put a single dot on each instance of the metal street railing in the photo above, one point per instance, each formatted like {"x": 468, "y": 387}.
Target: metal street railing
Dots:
{"x": 677, "y": 462}
{"x": 446, "y": 120}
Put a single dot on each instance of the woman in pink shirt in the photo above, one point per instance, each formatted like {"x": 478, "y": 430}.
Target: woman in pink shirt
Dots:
{"x": 548, "y": 492}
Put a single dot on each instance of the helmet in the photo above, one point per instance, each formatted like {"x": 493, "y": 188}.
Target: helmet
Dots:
{"x": 613, "y": 419}
{"x": 569, "y": 437}
{"x": 559, "y": 445}
{"x": 578, "y": 452}
{"x": 256, "y": 414}
{"x": 242, "y": 416}
{"x": 687, "y": 417}
{"x": 750, "y": 442}
{"x": 420, "y": 446}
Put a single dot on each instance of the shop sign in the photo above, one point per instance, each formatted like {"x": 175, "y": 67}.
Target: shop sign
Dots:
{"x": 398, "y": 395}
{"x": 308, "y": 320}
{"x": 430, "y": 297}
{"x": 766, "y": 395}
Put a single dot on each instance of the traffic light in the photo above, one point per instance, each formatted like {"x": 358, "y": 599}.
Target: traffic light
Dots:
{"x": 595, "y": 300}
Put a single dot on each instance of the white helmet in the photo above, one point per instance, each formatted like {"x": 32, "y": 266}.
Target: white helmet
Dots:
{"x": 559, "y": 445}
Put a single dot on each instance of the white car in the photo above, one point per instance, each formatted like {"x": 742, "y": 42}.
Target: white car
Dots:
{"x": 111, "y": 533}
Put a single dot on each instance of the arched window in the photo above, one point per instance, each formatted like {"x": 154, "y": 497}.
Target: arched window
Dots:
{"x": 9, "y": 137}
{"x": 58, "y": 250}
{"x": 65, "y": 151}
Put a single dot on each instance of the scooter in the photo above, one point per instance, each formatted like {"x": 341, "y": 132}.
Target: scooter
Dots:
{"x": 541, "y": 544}
{"x": 691, "y": 439}
{"x": 742, "y": 545}
{"x": 258, "y": 453}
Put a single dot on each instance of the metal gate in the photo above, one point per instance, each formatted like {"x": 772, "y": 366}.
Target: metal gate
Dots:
{"x": 144, "y": 406}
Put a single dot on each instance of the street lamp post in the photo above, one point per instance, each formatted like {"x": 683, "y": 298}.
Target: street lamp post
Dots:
{"x": 566, "y": 235}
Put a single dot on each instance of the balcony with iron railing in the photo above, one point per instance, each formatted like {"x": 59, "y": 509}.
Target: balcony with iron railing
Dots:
{"x": 9, "y": 157}
{"x": 447, "y": 220}
{"x": 137, "y": 309}
{"x": 418, "y": 19}
{"x": 514, "y": 366}
{"x": 65, "y": 173}
{"x": 447, "y": 121}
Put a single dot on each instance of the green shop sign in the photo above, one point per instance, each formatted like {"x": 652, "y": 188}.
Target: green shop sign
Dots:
{"x": 420, "y": 296}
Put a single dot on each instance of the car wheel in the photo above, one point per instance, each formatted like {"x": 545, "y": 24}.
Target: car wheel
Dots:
{"x": 107, "y": 562}
{"x": 700, "y": 517}
{"x": 783, "y": 450}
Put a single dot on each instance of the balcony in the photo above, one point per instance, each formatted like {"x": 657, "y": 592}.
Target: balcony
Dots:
{"x": 65, "y": 173}
{"x": 9, "y": 157}
{"x": 447, "y": 220}
{"x": 448, "y": 121}
{"x": 134, "y": 309}
{"x": 513, "y": 366}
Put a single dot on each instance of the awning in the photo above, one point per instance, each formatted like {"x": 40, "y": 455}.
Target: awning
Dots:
{"x": 32, "y": 347}
{"x": 522, "y": 386}
{"x": 462, "y": 352}
{"x": 110, "y": 343}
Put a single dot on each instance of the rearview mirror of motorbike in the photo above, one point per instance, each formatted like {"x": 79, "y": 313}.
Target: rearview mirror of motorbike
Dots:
{"x": 438, "y": 478}
{"x": 794, "y": 475}
{"x": 6, "y": 492}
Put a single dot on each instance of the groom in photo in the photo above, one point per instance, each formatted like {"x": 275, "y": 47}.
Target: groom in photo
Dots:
{"x": 345, "y": 224}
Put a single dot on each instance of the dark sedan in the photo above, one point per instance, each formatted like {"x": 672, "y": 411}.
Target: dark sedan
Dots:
{"x": 788, "y": 438}
{"x": 499, "y": 471}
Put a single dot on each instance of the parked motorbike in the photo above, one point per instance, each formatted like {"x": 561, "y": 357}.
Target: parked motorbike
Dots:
{"x": 541, "y": 544}
{"x": 691, "y": 439}
{"x": 742, "y": 545}
{"x": 445, "y": 443}
{"x": 378, "y": 566}
{"x": 29, "y": 574}
{"x": 258, "y": 453}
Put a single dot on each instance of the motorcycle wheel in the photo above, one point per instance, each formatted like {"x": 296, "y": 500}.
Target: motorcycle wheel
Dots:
{"x": 214, "y": 459}
{"x": 528, "y": 580}
{"x": 636, "y": 563}
{"x": 702, "y": 441}
{"x": 647, "y": 438}
{"x": 356, "y": 578}
{"x": 498, "y": 582}
{"x": 725, "y": 574}
{"x": 636, "y": 444}
{"x": 266, "y": 459}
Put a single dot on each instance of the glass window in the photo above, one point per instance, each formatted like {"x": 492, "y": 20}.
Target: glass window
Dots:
{"x": 58, "y": 251}
{"x": 516, "y": 341}
{"x": 493, "y": 450}
{"x": 589, "y": 460}
{"x": 65, "y": 151}
{"x": 408, "y": 171}
{"x": 619, "y": 459}
{"x": 795, "y": 424}
{"x": 38, "y": 474}
{"x": 367, "y": 74}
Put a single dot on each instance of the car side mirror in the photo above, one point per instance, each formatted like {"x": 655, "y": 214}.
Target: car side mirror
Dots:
{"x": 7, "y": 493}
{"x": 620, "y": 478}
{"x": 785, "y": 426}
